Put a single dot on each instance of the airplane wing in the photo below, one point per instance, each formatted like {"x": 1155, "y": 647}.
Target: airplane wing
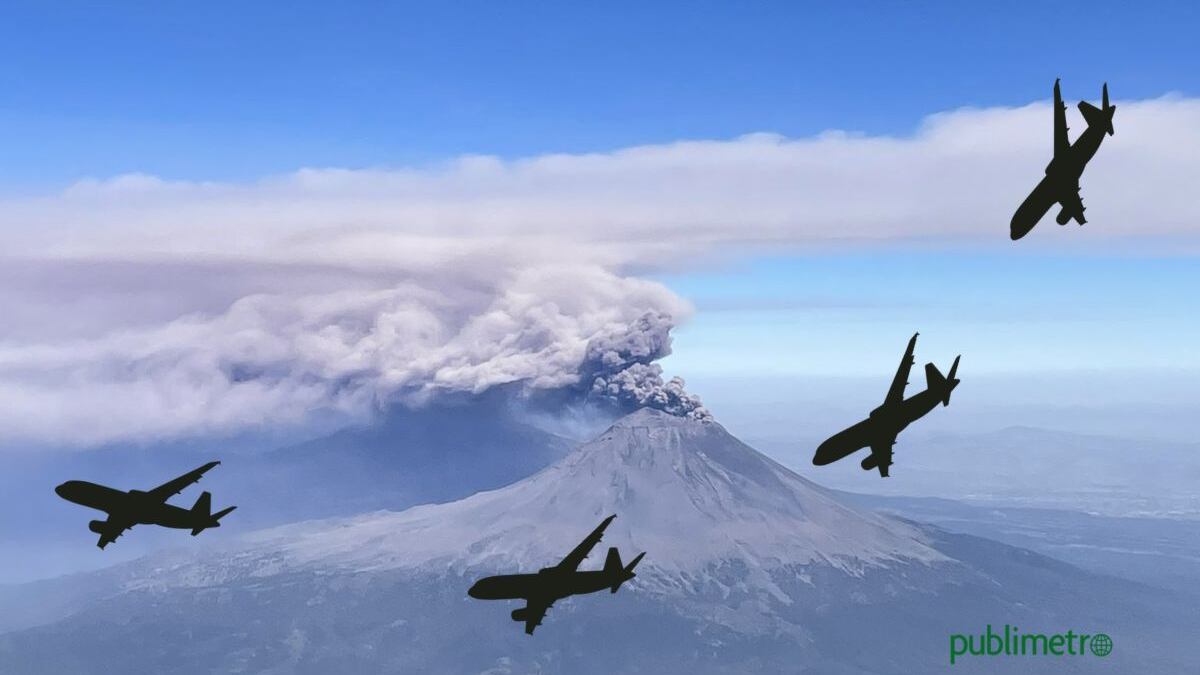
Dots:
{"x": 571, "y": 562}
{"x": 896, "y": 391}
{"x": 109, "y": 530}
{"x": 534, "y": 612}
{"x": 881, "y": 453}
{"x": 173, "y": 487}
{"x": 1072, "y": 204}
{"x": 1061, "y": 142}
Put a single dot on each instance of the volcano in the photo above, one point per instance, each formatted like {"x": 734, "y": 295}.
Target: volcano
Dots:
{"x": 749, "y": 568}
{"x": 685, "y": 490}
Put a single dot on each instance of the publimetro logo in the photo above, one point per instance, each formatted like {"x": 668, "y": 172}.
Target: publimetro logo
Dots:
{"x": 1012, "y": 642}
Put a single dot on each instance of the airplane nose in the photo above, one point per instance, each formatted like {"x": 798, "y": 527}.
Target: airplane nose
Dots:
{"x": 473, "y": 591}
{"x": 61, "y": 490}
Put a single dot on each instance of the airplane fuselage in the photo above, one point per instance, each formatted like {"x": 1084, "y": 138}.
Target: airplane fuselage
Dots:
{"x": 884, "y": 423}
{"x": 911, "y": 409}
{"x": 135, "y": 506}
{"x": 547, "y": 585}
{"x": 1070, "y": 167}
{"x": 1062, "y": 176}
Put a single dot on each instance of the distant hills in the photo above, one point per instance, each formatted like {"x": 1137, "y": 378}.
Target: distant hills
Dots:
{"x": 1025, "y": 466}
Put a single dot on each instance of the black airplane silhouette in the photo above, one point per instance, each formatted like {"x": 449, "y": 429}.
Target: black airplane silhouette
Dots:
{"x": 541, "y": 590}
{"x": 126, "y": 509}
{"x": 879, "y": 431}
{"x": 1061, "y": 183}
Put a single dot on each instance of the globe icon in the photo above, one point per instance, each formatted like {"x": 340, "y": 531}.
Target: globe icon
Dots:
{"x": 1101, "y": 644}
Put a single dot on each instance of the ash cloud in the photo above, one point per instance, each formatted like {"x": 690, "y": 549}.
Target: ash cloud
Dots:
{"x": 641, "y": 386}
{"x": 279, "y": 359}
{"x": 621, "y": 369}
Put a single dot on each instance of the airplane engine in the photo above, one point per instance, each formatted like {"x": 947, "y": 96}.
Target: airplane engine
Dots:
{"x": 96, "y": 526}
{"x": 1063, "y": 217}
{"x": 519, "y": 614}
{"x": 869, "y": 463}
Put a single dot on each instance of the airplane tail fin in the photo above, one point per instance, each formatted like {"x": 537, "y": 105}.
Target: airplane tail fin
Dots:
{"x": 203, "y": 505}
{"x": 937, "y": 382}
{"x": 951, "y": 381}
{"x": 613, "y": 562}
{"x": 620, "y": 572}
{"x": 202, "y": 510}
{"x": 1099, "y": 117}
{"x": 933, "y": 377}
{"x": 1108, "y": 109}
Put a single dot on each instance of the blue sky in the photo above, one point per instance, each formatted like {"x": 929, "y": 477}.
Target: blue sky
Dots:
{"x": 222, "y": 90}
{"x": 234, "y": 92}
{"x": 851, "y": 313}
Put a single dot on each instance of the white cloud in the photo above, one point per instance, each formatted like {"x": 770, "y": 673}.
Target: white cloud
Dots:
{"x": 960, "y": 175}
{"x": 132, "y": 303}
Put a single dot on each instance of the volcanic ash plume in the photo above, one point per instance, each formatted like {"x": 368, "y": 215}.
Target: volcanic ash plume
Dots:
{"x": 566, "y": 334}
{"x": 622, "y": 370}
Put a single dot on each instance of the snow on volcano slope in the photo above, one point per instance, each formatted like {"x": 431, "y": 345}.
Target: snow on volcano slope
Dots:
{"x": 685, "y": 491}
